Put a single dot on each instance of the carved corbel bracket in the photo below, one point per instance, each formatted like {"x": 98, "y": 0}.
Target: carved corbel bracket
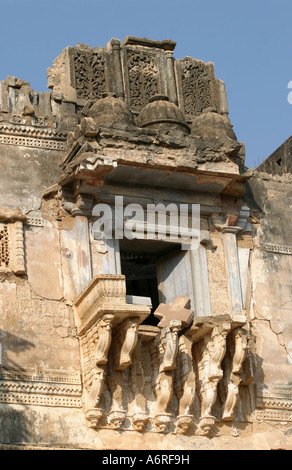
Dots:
{"x": 100, "y": 310}
{"x": 167, "y": 345}
{"x": 210, "y": 334}
{"x": 103, "y": 339}
{"x": 185, "y": 384}
{"x": 95, "y": 344}
{"x": 234, "y": 222}
{"x": 239, "y": 350}
{"x": 125, "y": 340}
{"x": 224, "y": 222}
{"x": 74, "y": 202}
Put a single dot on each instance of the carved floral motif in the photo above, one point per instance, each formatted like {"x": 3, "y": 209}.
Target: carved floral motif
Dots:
{"x": 143, "y": 78}
{"x": 89, "y": 74}
{"x": 195, "y": 83}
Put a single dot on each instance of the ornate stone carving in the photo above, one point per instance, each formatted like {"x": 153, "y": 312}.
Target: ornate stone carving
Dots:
{"x": 40, "y": 387}
{"x": 209, "y": 336}
{"x": 272, "y": 248}
{"x": 95, "y": 344}
{"x": 189, "y": 365}
{"x": 139, "y": 418}
{"x": 184, "y": 384}
{"x": 142, "y": 77}
{"x": 126, "y": 337}
{"x": 210, "y": 373}
{"x": 11, "y": 241}
{"x": 273, "y": 403}
{"x": 89, "y": 73}
{"x": 101, "y": 309}
{"x": 167, "y": 345}
{"x": 125, "y": 340}
{"x": 194, "y": 85}
{"x": 4, "y": 246}
{"x": 238, "y": 348}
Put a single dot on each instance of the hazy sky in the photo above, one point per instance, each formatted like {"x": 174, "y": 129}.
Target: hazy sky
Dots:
{"x": 248, "y": 41}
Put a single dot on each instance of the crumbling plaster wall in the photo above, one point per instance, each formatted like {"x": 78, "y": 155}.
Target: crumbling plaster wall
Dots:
{"x": 25, "y": 173}
{"x": 37, "y": 324}
{"x": 271, "y": 275}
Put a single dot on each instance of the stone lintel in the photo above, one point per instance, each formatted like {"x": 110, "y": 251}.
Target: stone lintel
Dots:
{"x": 166, "y": 44}
{"x": 11, "y": 215}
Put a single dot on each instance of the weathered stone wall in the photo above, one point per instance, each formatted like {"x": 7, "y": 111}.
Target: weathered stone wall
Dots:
{"x": 271, "y": 276}
{"x": 220, "y": 380}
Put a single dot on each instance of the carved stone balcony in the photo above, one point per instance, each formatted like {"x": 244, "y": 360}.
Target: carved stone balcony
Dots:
{"x": 181, "y": 360}
{"x": 106, "y": 294}
{"x": 101, "y": 313}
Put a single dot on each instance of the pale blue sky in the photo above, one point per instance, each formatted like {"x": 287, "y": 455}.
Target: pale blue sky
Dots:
{"x": 248, "y": 41}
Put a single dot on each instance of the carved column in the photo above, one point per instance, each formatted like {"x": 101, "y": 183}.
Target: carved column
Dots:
{"x": 140, "y": 418}
{"x": 79, "y": 206}
{"x": 118, "y": 82}
{"x": 230, "y": 225}
{"x": 171, "y": 83}
{"x": 167, "y": 345}
{"x": 201, "y": 281}
{"x": 239, "y": 349}
{"x": 124, "y": 342}
{"x": 95, "y": 344}
{"x": 184, "y": 384}
{"x": 233, "y": 271}
{"x": 215, "y": 349}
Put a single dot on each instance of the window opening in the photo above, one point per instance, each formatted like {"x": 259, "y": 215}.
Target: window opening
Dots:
{"x": 139, "y": 265}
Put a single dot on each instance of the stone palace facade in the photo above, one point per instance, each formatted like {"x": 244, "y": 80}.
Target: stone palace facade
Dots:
{"x": 120, "y": 342}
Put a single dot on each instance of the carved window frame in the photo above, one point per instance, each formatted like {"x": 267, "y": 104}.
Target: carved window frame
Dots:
{"x": 198, "y": 261}
{"x": 12, "y": 258}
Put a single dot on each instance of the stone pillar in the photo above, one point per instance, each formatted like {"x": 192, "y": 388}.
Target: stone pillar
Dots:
{"x": 83, "y": 255}
{"x": 233, "y": 271}
{"x": 119, "y": 86}
{"x": 223, "y": 104}
{"x": 201, "y": 282}
{"x": 171, "y": 84}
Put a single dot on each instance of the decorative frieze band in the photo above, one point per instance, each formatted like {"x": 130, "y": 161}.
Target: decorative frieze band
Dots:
{"x": 273, "y": 415}
{"x": 43, "y": 388}
{"x": 29, "y": 136}
{"x": 275, "y": 403}
{"x": 31, "y": 131}
{"x": 39, "y": 375}
{"x": 283, "y": 249}
{"x": 40, "y": 400}
{"x": 32, "y": 142}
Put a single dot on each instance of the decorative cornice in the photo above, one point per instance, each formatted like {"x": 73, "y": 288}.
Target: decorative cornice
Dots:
{"x": 31, "y": 131}
{"x": 29, "y": 136}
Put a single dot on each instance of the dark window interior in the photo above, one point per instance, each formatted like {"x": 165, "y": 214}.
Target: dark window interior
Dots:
{"x": 138, "y": 264}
